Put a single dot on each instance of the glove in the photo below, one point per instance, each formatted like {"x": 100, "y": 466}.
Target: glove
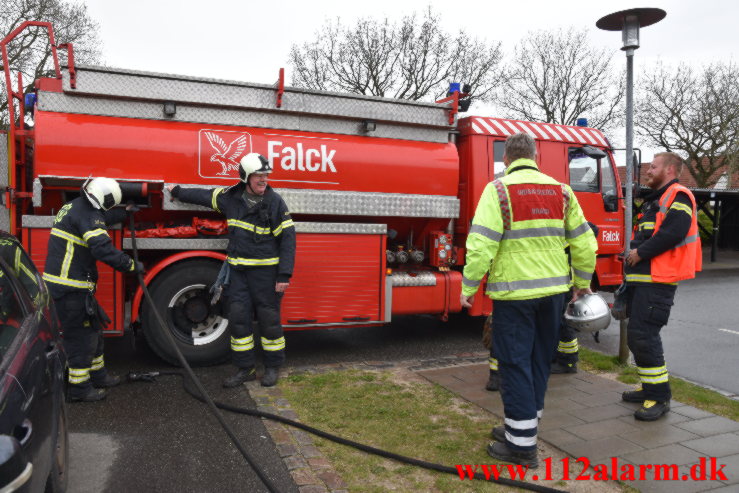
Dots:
{"x": 619, "y": 310}
{"x": 137, "y": 268}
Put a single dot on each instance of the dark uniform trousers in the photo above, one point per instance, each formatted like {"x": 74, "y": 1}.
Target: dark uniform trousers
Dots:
{"x": 83, "y": 343}
{"x": 525, "y": 334}
{"x": 567, "y": 348}
{"x": 649, "y": 309}
{"x": 252, "y": 292}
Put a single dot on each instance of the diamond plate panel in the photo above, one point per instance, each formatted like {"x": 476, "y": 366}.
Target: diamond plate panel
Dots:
{"x": 222, "y": 243}
{"x": 4, "y": 182}
{"x": 350, "y": 203}
{"x": 116, "y": 83}
{"x": 45, "y": 222}
{"x": 62, "y": 103}
{"x": 341, "y": 228}
{"x": 36, "y": 199}
{"x": 37, "y": 221}
{"x": 177, "y": 243}
{"x": 406, "y": 279}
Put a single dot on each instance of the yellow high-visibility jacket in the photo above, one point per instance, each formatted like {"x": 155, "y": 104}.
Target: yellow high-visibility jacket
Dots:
{"x": 518, "y": 236}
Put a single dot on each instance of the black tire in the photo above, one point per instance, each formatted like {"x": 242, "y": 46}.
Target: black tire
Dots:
{"x": 199, "y": 329}
{"x": 57, "y": 480}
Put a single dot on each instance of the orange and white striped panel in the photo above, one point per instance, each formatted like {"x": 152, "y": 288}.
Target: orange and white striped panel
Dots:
{"x": 542, "y": 131}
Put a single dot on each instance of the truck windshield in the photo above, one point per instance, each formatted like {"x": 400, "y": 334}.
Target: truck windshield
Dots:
{"x": 583, "y": 171}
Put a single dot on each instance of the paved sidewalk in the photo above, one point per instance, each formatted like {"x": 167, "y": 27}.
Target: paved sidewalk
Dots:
{"x": 585, "y": 417}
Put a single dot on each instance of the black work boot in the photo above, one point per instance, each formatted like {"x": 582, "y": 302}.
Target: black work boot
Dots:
{"x": 107, "y": 381}
{"x": 269, "y": 379}
{"x": 498, "y": 433}
{"x": 633, "y": 396}
{"x": 652, "y": 410}
{"x": 558, "y": 368}
{"x": 493, "y": 381}
{"x": 241, "y": 376}
{"x": 92, "y": 395}
{"x": 500, "y": 451}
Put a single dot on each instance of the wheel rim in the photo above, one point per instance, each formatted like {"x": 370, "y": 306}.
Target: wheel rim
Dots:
{"x": 191, "y": 317}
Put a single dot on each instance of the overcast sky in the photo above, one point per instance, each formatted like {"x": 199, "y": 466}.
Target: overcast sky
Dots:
{"x": 250, "y": 40}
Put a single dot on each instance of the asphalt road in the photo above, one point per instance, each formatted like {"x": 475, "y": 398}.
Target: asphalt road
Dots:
{"x": 155, "y": 437}
{"x": 701, "y": 339}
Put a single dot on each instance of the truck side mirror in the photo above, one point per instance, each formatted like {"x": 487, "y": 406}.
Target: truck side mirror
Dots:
{"x": 15, "y": 470}
{"x": 593, "y": 152}
{"x": 610, "y": 200}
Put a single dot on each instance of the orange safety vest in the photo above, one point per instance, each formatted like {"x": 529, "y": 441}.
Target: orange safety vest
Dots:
{"x": 684, "y": 259}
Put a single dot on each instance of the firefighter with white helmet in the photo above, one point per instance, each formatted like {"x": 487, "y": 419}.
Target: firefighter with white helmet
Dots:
{"x": 79, "y": 238}
{"x": 260, "y": 259}
{"x": 522, "y": 223}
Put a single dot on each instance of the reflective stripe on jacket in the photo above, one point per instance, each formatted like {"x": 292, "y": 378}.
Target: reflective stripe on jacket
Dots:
{"x": 684, "y": 259}
{"x": 78, "y": 239}
{"x": 518, "y": 237}
{"x": 259, "y": 235}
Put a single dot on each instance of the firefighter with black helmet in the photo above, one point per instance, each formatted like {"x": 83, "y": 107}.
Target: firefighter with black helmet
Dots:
{"x": 79, "y": 238}
{"x": 259, "y": 263}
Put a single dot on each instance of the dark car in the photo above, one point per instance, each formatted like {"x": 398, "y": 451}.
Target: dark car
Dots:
{"x": 33, "y": 424}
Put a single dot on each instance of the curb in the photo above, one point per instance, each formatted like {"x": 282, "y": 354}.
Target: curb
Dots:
{"x": 308, "y": 467}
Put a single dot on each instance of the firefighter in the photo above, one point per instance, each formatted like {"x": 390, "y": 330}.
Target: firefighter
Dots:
{"x": 518, "y": 234}
{"x": 78, "y": 239}
{"x": 493, "y": 382}
{"x": 567, "y": 355}
{"x": 260, "y": 259}
{"x": 665, "y": 249}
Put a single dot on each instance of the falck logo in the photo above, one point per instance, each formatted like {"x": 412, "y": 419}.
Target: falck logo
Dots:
{"x": 221, "y": 151}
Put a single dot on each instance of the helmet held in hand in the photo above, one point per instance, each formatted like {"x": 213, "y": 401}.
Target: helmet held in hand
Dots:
{"x": 588, "y": 313}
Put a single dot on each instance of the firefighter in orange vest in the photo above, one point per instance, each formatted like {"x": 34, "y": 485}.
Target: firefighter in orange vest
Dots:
{"x": 666, "y": 249}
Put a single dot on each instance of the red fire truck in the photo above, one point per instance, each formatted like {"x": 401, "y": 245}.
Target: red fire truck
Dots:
{"x": 382, "y": 191}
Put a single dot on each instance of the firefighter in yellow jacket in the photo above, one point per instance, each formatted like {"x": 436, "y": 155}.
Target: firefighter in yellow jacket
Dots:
{"x": 517, "y": 238}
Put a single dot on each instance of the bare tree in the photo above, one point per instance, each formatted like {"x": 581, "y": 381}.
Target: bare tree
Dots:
{"x": 414, "y": 59}
{"x": 557, "y": 77}
{"x": 694, "y": 112}
{"x": 30, "y": 52}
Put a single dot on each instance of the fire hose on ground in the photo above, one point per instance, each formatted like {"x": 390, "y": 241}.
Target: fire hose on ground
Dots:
{"x": 200, "y": 394}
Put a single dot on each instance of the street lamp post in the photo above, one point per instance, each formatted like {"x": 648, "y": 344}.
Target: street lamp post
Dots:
{"x": 629, "y": 22}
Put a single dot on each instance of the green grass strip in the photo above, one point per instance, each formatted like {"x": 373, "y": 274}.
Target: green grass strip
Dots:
{"x": 682, "y": 391}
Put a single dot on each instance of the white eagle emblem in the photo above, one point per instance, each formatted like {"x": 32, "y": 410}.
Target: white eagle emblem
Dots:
{"x": 227, "y": 156}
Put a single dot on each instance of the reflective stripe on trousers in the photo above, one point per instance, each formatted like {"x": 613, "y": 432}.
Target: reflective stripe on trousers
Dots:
{"x": 79, "y": 375}
{"x": 568, "y": 346}
{"x": 657, "y": 374}
{"x": 242, "y": 343}
{"x": 97, "y": 363}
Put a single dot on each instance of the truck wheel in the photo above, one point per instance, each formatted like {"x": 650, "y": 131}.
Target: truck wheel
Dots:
{"x": 200, "y": 329}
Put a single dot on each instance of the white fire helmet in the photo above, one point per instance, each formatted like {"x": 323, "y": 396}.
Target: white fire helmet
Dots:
{"x": 588, "y": 313}
{"x": 103, "y": 193}
{"x": 253, "y": 163}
